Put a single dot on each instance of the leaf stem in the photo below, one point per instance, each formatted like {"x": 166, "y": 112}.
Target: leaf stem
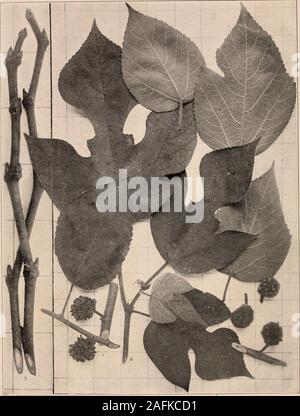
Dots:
{"x": 226, "y": 288}
{"x": 264, "y": 348}
{"x": 129, "y": 309}
{"x": 99, "y": 314}
{"x": 180, "y": 113}
{"x": 141, "y": 313}
{"x": 67, "y": 301}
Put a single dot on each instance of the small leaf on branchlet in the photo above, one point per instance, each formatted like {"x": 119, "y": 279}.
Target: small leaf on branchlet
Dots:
{"x": 259, "y": 213}
{"x": 168, "y": 350}
{"x": 167, "y": 345}
{"x": 215, "y": 357}
{"x": 268, "y": 288}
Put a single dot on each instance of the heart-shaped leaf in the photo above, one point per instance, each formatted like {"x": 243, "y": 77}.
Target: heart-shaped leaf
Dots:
{"x": 160, "y": 65}
{"x": 256, "y": 96}
{"x": 260, "y": 213}
{"x": 195, "y": 247}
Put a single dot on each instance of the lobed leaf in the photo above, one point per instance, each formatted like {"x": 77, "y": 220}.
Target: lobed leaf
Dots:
{"x": 215, "y": 357}
{"x": 260, "y": 213}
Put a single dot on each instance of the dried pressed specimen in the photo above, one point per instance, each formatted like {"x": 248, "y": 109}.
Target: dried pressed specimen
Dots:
{"x": 243, "y": 233}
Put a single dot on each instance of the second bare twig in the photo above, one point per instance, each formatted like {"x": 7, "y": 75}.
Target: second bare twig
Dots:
{"x": 14, "y": 173}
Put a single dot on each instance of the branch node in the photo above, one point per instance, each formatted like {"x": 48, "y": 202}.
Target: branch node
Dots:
{"x": 31, "y": 270}
{"x": 28, "y": 100}
{"x": 13, "y": 173}
{"x": 11, "y": 279}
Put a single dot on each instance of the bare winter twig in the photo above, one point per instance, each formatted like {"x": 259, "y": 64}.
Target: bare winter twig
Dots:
{"x": 26, "y": 335}
{"x": 13, "y": 173}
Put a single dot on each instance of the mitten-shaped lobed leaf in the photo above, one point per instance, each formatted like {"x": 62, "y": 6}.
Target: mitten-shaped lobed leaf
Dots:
{"x": 260, "y": 214}
{"x": 195, "y": 247}
{"x": 272, "y": 333}
{"x": 256, "y": 96}
{"x": 160, "y": 65}
{"x": 83, "y": 308}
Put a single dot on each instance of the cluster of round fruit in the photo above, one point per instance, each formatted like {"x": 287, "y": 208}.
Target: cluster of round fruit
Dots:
{"x": 243, "y": 316}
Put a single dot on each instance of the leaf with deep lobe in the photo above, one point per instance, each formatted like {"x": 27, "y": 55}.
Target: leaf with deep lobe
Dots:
{"x": 260, "y": 213}
{"x": 195, "y": 247}
{"x": 256, "y": 96}
{"x": 215, "y": 357}
{"x": 211, "y": 309}
{"x": 71, "y": 179}
{"x": 168, "y": 345}
{"x": 160, "y": 65}
{"x": 90, "y": 246}
{"x": 168, "y": 350}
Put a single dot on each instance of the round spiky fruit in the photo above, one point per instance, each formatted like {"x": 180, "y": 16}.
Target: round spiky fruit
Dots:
{"x": 272, "y": 333}
{"x": 268, "y": 288}
{"x": 83, "y": 308}
{"x": 83, "y": 349}
{"x": 243, "y": 316}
